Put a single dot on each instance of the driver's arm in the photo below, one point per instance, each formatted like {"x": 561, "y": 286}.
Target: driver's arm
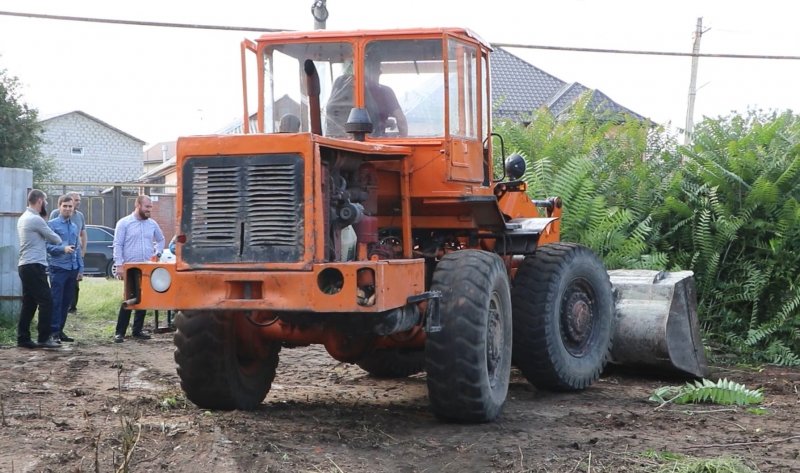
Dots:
{"x": 397, "y": 112}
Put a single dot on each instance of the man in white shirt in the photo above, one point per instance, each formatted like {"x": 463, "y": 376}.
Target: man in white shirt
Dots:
{"x": 137, "y": 238}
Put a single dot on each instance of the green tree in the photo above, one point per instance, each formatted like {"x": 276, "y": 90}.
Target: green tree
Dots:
{"x": 20, "y": 132}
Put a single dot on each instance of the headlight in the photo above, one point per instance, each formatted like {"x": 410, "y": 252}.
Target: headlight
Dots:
{"x": 160, "y": 280}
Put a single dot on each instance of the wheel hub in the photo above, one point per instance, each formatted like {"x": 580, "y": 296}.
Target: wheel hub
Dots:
{"x": 494, "y": 339}
{"x": 577, "y": 320}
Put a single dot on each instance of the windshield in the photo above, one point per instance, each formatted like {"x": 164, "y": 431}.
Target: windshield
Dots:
{"x": 286, "y": 98}
{"x": 403, "y": 87}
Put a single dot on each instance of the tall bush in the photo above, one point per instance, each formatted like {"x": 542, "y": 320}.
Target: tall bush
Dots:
{"x": 611, "y": 174}
{"x": 738, "y": 196}
{"x": 725, "y": 207}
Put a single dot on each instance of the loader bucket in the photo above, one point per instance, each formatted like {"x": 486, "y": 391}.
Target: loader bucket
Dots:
{"x": 657, "y": 322}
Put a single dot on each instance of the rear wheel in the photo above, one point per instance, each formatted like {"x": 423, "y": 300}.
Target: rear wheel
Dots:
{"x": 217, "y": 370}
{"x": 393, "y": 362}
{"x": 469, "y": 361}
{"x": 563, "y": 312}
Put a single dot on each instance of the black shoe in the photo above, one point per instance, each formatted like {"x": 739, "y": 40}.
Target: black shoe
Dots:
{"x": 72, "y": 310}
{"x": 51, "y": 342}
{"x": 28, "y": 344}
{"x": 119, "y": 338}
{"x": 64, "y": 338}
{"x": 142, "y": 336}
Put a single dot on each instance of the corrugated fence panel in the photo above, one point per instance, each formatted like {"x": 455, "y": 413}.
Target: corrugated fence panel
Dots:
{"x": 14, "y": 187}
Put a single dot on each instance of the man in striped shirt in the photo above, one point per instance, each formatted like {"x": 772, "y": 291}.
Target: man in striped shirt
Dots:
{"x": 137, "y": 238}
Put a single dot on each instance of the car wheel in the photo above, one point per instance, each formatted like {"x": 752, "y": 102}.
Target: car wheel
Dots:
{"x": 111, "y": 270}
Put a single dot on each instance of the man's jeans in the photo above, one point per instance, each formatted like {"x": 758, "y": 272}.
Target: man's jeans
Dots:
{"x": 35, "y": 293}
{"x": 62, "y": 284}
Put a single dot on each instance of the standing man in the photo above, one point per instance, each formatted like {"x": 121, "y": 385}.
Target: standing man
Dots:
{"x": 137, "y": 238}
{"x": 66, "y": 266}
{"x": 80, "y": 221}
{"x": 33, "y": 235}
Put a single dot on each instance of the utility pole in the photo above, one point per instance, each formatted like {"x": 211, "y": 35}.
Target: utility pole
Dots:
{"x": 698, "y": 33}
{"x": 320, "y": 13}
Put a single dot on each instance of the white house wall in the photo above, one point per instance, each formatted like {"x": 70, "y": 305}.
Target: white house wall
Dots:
{"x": 108, "y": 155}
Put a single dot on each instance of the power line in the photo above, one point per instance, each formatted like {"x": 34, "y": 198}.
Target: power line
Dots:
{"x": 646, "y": 53}
{"x": 496, "y": 45}
{"x": 141, "y": 23}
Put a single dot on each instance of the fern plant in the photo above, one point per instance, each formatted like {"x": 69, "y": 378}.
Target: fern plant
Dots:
{"x": 725, "y": 207}
{"x": 741, "y": 235}
{"x": 610, "y": 173}
{"x": 722, "y": 392}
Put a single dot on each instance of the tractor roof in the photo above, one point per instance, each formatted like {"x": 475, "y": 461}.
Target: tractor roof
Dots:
{"x": 387, "y": 34}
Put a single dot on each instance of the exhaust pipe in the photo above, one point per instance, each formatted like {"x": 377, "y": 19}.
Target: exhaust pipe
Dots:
{"x": 313, "y": 89}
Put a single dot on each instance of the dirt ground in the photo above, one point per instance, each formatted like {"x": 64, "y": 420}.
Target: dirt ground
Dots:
{"x": 81, "y": 409}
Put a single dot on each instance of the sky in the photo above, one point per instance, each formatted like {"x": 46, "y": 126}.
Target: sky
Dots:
{"x": 160, "y": 83}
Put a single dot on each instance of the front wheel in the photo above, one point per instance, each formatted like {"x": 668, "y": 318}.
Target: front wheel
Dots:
{"x": 217, "y": 369}
{"x": 469, "y": 360}
{"x": 563, "y": 310}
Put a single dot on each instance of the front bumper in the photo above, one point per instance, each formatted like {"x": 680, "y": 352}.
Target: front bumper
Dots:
{"x": 395, "y": 281}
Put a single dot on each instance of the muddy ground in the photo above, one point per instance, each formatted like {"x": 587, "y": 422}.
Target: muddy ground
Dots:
{"x": 88, "y": 407}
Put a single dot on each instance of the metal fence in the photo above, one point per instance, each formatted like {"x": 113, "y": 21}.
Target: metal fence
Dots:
{"x": 106, "y": 203}
{"x": 14, "y": 187}
{"x": 101, "y": 203}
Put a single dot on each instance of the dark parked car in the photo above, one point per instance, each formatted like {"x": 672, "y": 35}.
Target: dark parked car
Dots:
{"x": 99, "y": 257}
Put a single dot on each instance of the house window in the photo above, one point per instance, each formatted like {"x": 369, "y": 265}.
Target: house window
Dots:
{"x": 77, "y": 151}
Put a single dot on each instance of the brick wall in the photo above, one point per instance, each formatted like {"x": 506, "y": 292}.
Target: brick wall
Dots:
{"x": 109, "y": 155}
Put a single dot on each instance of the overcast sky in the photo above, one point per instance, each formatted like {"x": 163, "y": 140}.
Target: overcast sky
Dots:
{"x": 160, "y": 83}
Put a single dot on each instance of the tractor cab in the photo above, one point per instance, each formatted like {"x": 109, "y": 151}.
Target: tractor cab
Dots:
{"x": 413, "y": 84}
{"x": 421, "y": 85}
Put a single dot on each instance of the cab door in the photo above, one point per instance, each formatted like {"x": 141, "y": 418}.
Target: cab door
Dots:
{"x": 465, "y": 148}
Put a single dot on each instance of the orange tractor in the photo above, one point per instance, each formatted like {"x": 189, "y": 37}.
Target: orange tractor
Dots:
{"x": 361, "y": 208}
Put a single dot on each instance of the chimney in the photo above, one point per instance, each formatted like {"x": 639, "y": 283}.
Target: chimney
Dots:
{"x": 164, "y": 152}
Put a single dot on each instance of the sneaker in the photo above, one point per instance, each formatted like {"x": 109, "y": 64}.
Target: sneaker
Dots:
{"x": 119, "y": 338}
{"x": 65, "y": 338}
{"x": 72, "y": 310}
{"x": 142, "y": 336}
{"x": 27, "y": 344}
{"x": 51, "y": 342}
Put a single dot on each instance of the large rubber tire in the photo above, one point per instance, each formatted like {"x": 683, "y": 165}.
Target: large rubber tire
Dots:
{"x": 563, "y": 310}
{"x": 216, "y": 371}
{"x": 393, "y": 363}
{"x": 469, "y": 361}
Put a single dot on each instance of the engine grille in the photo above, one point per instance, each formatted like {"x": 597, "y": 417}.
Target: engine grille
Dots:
{"x": 243, "y": 209}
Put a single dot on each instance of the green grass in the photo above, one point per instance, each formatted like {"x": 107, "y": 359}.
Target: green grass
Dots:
{"x": 96, "y": 318}
{"x": 669, "y": 462}
{"x": 710, "y": 465}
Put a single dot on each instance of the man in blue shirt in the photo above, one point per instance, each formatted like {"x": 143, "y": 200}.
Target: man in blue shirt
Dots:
{"x": 66, "y": 266}
{"x": 80, "y": 221}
